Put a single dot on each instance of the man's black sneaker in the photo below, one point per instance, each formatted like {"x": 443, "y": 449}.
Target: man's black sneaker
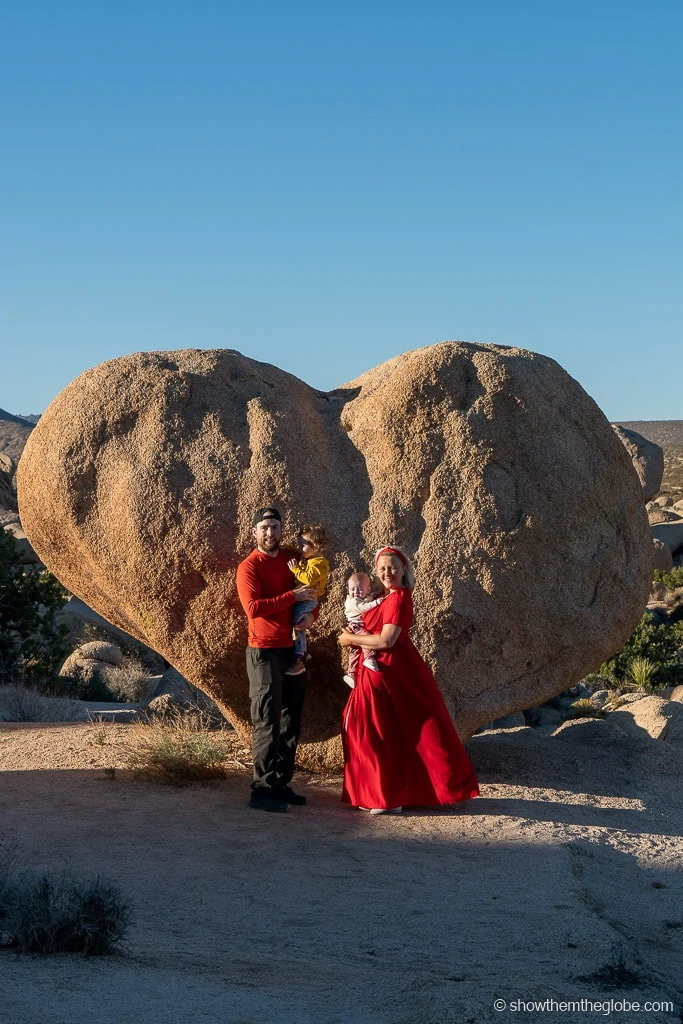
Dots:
{"x": 290, "y": 797}
{"x": 268, "y": 802}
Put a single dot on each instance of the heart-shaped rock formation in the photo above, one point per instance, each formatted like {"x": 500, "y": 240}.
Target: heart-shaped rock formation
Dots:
{"x": 532, "y": 548}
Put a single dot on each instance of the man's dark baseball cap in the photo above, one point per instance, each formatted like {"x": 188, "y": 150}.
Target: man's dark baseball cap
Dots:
{"x": 266, "y": 513}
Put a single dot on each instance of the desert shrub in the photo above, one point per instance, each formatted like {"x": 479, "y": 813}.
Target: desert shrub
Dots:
{"x": 32, "y": 642}
{"x": 50, "y": 912}
{"x": 642, "y": 672}
{"x": 584, "y": 708}
{"x": 127, "y": 682}
{"x": 23, "y": 704}
{"x": 178, "y": 748}
{"x": 673, "y": 578}
{"x": 656, "y": 642}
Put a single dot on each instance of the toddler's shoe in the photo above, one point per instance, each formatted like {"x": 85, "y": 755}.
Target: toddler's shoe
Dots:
{"x": 350, "y": 681}
{"x": 297, "y": 669}
{"x": 371, "y": 663}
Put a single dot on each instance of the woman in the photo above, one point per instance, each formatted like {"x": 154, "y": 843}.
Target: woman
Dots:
{"x": 400, "y": 746}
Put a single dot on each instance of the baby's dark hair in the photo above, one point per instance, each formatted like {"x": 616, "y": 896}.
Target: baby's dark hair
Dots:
{"x": 315, "y": 533}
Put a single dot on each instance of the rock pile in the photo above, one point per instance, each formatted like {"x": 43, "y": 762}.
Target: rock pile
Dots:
{"x": 491, "y": 465}
{"x": 92, "y": 663}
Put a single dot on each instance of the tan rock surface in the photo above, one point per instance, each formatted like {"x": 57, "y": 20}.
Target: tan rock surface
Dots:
{"x": 492, "y": 465}
{"x": 647, "y": 458}
{"x": 8, "y": 499}
{"x": 660, "y": 718}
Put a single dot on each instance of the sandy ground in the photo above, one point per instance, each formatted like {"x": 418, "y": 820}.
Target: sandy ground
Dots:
{"x": 569, "y": 861}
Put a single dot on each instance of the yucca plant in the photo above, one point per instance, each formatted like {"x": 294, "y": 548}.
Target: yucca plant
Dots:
{"x": 642, "y": 672}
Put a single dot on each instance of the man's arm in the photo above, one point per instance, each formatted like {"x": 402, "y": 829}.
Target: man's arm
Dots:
{"x": 249, "y": 590}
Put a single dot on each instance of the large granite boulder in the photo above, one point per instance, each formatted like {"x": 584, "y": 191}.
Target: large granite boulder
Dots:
{"x": 647, "y": 458}
{"x": 492, "y": 465}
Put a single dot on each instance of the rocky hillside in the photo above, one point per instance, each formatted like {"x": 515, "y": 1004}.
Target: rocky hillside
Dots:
{"x": 669, "y": 435}
{"x": 14, "y": 431}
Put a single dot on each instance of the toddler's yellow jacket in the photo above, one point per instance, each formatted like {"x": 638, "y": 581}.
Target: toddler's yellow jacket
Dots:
{"x": 313, "y": 572}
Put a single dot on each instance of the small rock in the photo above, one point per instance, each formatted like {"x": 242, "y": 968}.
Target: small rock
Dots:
{"x": 163, "y": 705}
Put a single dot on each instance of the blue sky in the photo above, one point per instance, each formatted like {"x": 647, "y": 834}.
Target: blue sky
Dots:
{"x": 324, "y": 185}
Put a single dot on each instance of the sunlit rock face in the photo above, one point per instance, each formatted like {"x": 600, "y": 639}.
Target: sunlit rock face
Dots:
{"x": 490, "y": 465}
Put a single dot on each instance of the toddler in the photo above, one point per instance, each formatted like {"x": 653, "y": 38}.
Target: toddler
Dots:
{"x": 312, "y": 570}
{"x": 355, "y": 604}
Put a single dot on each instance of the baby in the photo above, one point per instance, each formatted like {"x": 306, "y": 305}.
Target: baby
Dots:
{"x": 355, "y": 604}
{"x": 312, "y": 570}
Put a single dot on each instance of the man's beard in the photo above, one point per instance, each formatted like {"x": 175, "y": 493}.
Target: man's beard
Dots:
{"x": 270, "y": 543}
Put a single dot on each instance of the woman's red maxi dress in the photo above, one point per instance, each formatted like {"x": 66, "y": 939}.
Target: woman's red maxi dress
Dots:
{"x": 400, "y": 746}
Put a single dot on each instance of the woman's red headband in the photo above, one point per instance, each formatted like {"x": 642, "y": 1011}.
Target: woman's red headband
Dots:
{"x": 391, "y": 551}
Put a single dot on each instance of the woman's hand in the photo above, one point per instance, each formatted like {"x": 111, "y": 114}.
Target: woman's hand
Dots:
{"x": 347, "y": 639}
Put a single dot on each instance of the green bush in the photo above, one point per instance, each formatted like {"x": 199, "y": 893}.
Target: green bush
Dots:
{"x": 655, "y": 642}
{"x": 32, "y": 643}
{"x": 672, "y": 578}
{"x": 47, "y": 912}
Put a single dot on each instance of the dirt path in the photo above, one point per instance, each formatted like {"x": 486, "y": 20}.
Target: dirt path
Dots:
{"x": 569, "y": 861}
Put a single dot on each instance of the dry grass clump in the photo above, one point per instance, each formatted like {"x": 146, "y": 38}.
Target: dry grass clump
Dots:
{"x": 21, "y": 704}
{"x": 128, "y": 681}
{"x": 584, "y": 708}
{"x": 50, "y": 912}
{"x": 179, "y": 747}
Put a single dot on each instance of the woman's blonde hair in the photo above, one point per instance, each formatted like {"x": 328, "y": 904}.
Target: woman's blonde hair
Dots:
{"x": 402, "y": 557}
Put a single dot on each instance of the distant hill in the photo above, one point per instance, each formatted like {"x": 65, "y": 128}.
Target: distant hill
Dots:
{"x": 14, "y": 431}
{"x": 668, "y": 434}
{"x": 662, "y": 432}
{"x": 30, "y": 417}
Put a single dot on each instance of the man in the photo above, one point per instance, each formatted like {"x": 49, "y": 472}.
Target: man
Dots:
{"x": 264, "y": 585}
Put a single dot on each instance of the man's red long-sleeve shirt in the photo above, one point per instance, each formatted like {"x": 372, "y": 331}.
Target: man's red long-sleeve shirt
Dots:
{"x": 265, "y": 587}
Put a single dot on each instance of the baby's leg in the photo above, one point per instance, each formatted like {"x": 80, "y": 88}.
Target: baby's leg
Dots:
{"x": 369, "y": 659}
{"x": 354, "y": 661}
